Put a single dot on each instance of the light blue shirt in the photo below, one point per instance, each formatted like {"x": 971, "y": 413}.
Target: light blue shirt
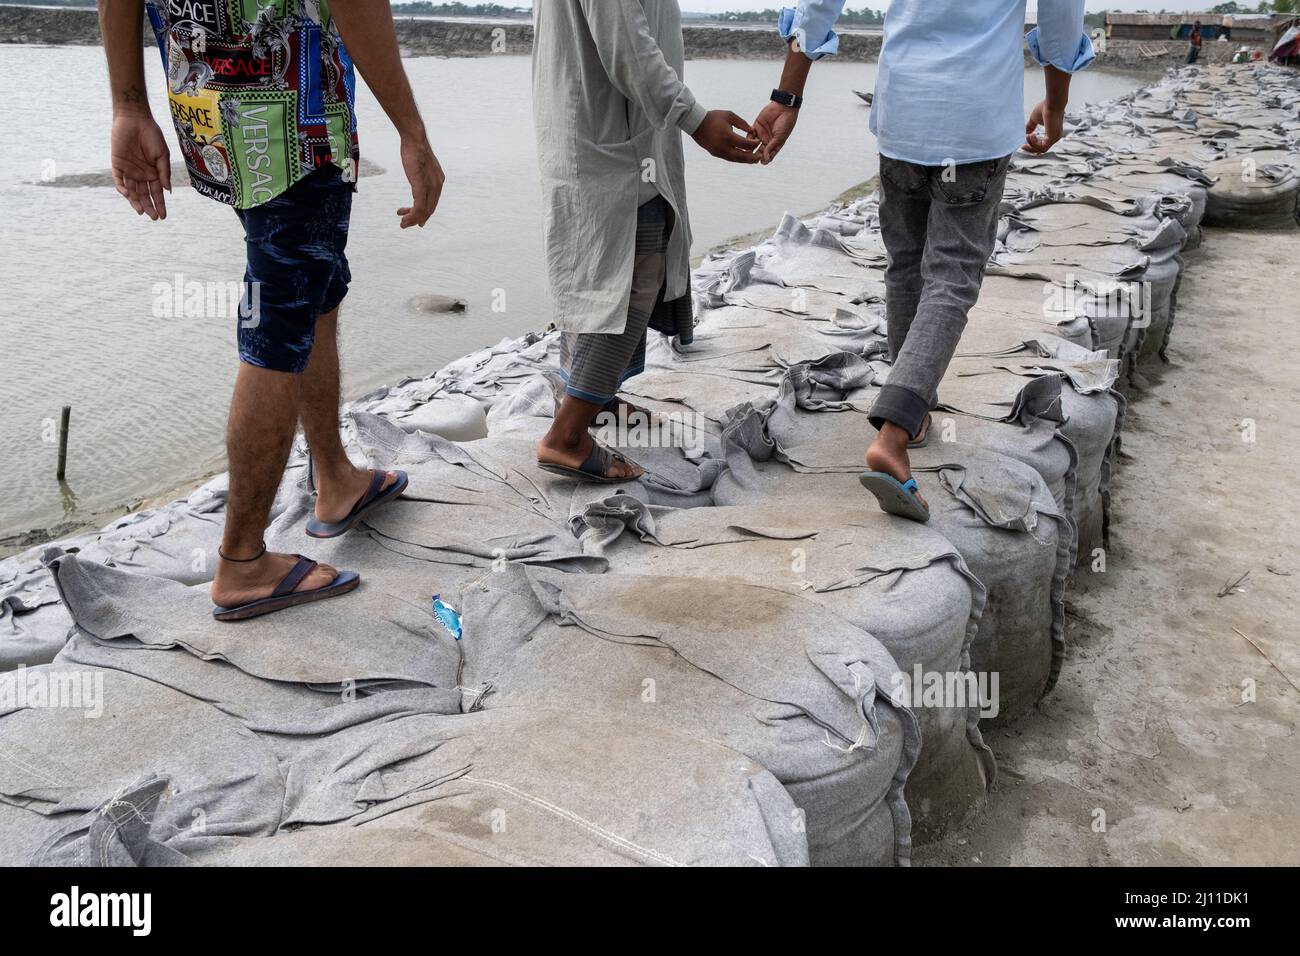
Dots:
{"x": 951, "y": 84}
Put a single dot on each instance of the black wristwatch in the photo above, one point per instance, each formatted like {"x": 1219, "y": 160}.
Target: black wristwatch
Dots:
{"x": 787, "y": 99}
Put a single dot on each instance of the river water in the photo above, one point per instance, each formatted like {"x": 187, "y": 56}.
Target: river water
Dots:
{"x": 83, "y": 321}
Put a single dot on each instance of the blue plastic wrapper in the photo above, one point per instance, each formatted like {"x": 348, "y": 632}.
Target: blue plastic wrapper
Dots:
{"x": 447, "y": 616}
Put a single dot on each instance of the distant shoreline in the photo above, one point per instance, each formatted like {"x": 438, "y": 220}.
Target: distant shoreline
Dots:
{"x": 444, "y": 36}
{"x": 467, "y": 37}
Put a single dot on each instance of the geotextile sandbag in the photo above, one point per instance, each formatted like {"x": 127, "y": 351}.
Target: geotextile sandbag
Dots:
{"x": 907, "y": 587}
{"x": 1255, "y": 190}
{"x": 798, "y": 689}
{"x": 1022, "y": 555}
{"x": 1011, "y": 536}
{"x": 332, "y": 749}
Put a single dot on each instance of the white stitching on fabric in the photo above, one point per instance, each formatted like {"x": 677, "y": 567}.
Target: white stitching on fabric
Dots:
{"x": 580, "y": 821}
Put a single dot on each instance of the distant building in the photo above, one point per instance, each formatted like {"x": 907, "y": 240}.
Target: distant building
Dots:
{"x": 1246, "y": 28}
{"x": 1162, "y": 26}
{"x": 1256, "y": 28}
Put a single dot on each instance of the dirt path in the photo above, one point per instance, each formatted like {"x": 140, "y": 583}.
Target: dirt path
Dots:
{"x": 1148, "y": 724}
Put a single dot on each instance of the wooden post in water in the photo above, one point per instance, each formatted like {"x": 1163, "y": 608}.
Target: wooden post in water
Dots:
{"x": 63, "y": 441}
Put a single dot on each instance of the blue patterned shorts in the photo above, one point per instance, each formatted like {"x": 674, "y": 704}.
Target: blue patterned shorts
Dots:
{"x": 296, "y": 269}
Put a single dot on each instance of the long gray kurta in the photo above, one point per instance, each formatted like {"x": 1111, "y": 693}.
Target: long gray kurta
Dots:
{"x": 608, "y": 105}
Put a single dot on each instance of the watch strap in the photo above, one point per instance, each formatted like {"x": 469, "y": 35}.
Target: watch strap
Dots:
{"x": 787, "y": 99}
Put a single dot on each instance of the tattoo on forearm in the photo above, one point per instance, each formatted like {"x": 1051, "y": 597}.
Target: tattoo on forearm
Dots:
{"x": 132, "y": 94}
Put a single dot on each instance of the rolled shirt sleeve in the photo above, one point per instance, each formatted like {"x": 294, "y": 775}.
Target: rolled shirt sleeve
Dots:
{"x": 810, "y": 24}
{"x": 1060, "y": 40}
{"x": 636, "y": 66}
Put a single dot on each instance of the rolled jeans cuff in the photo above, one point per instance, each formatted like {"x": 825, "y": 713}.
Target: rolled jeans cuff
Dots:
{"x": 899, "y": 405}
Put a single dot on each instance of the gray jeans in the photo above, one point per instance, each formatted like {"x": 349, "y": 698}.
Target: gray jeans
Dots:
{"x": 939, "y": 224}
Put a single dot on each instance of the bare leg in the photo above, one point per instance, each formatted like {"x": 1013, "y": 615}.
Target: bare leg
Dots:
{"x": 339, "y": 483}
{"x": 569, "y": 443}
{"x": 888, "y": 453}
{"x": 263, "y": 416}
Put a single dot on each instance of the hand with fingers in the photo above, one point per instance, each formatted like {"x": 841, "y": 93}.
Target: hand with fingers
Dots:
{"x": 717, "y": 135}
{"x": 142, "y": 165}
{"x": 424, "y": 173}
{"x": 1052, "y": 119}
{"x": 773, "y": 127}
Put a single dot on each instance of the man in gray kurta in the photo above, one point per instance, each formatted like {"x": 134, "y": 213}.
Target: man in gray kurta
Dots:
{"x": 610, "y": 106}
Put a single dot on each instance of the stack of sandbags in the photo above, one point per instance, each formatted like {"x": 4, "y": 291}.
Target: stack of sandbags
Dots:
{"x": 1256, "y": 190}
{"x": 734, "y": 659}
{"x": 195, "y": 742}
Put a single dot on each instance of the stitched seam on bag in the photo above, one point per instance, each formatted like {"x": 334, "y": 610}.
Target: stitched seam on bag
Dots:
{"x": 23, "y": 765}
{"x": 580, "y": 821}
{"x": 117, "y": 824}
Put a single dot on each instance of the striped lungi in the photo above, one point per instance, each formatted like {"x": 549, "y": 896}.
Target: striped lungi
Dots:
{"x": 595, "y": 364}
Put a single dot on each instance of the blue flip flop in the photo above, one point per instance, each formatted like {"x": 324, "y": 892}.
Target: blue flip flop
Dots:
{"x": 895, "y": 497}
{"x": 372, "y": 499}
{"x": 285, "y": 596}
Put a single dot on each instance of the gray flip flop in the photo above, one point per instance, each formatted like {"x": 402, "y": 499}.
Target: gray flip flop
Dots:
{"x": 595, "y": 468}
{"x": 285, "y": 596}
{"x": 895, "y": 497}
{"x": 372, "y": 499}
